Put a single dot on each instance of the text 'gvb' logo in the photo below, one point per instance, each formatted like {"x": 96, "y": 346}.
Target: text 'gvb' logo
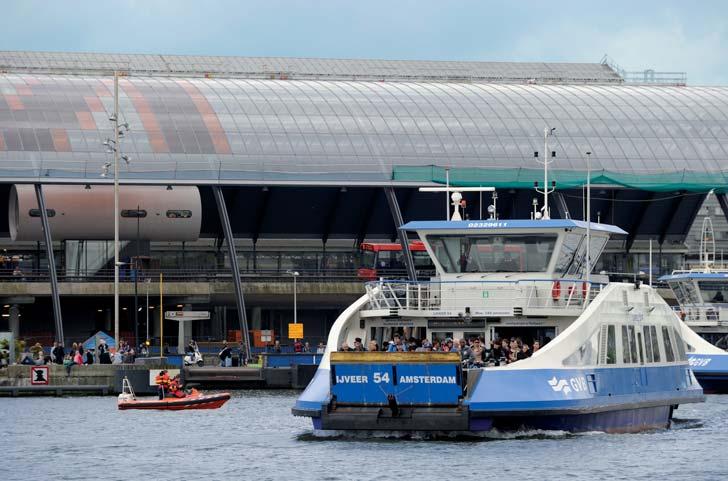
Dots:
{"x": 559, "y": 385}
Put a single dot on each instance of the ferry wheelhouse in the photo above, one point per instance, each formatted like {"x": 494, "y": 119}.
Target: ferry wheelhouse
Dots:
{"x": 613, "y": 356}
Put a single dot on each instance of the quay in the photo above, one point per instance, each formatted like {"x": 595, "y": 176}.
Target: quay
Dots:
{"x": 277, "y": 371}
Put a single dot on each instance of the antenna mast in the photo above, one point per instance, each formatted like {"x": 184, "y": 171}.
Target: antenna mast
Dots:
{"x": 546, "y": 190}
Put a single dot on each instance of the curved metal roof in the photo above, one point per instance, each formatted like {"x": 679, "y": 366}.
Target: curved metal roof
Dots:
{"x": 306, "y": 68}
{"x": 254, "y": 130}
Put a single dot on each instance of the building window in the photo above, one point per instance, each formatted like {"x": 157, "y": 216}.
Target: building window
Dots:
{"x": 179, "y": 214}
{"x": 36, "y": 212}
{"x": 134, "y": 213}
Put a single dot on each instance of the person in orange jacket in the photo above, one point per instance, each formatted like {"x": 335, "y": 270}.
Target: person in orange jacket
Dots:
{"x": 175, "y": 388}
{"x": 162, "y": 380}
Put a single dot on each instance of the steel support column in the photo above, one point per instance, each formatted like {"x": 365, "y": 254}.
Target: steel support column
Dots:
{"x": 239, "y": 299}
{"x": 51, "y": 263}
{"x": 403, "y": 237}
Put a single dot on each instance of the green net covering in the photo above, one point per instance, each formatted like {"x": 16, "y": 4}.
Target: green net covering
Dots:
{"x": 684, "y": 180}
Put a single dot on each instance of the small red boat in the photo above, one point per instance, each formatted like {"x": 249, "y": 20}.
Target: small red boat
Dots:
{"x": 193, "y": 400}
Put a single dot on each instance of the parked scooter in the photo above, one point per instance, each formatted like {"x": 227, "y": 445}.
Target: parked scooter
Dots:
{"x": 193, "y": 358}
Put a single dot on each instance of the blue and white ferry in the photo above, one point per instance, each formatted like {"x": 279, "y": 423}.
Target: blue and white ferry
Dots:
{"x": 614, "y": 358}
{"x": 702, "y": 295}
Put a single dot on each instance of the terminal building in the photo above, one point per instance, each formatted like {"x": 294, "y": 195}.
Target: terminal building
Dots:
{"x": 298, "y": 163}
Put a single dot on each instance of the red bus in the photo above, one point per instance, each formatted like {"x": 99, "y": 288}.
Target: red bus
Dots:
{"x": 386, "y": 259}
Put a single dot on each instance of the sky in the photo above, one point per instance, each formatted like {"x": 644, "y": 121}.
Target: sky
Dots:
{"x": 662, "y": 35}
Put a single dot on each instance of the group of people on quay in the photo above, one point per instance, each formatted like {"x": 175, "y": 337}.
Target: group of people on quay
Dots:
{"x": 77, "y": 355}
{"x": 474, "y": 351}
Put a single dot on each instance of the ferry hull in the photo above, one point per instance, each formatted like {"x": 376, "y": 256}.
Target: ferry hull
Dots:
{"x": 617, "y": 421}
{"x": 596, "y": 400}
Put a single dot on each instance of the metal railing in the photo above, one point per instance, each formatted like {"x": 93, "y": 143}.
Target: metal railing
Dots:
{"x": 186, "y": 275}
{"x": 467, "y": 296}
{"x": 703, "y": 315}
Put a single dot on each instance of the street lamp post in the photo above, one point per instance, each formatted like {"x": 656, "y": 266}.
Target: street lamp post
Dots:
{"x": 113, "y": 147}
{"x": 116, "y": 209}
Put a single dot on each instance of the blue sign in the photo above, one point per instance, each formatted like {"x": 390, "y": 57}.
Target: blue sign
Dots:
{"x": 409, "y": 383}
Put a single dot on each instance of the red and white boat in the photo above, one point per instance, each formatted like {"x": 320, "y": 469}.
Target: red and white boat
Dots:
{"x": 194, "y": 400}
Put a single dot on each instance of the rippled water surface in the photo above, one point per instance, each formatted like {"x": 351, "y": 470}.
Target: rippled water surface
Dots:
{"x": 254, "y": 437}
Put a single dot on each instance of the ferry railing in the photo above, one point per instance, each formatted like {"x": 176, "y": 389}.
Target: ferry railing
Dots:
{"x": 561, "y": 294}
{"x": 703, "y": 315}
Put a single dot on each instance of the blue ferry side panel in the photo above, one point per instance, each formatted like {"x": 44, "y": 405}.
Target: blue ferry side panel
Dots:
{"x": 581, "y": 390}
{"x": 711, "y": 371}
{"x": 410, "y": 384}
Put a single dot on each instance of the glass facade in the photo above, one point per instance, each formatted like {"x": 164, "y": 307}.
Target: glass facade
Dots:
{"x": 261, "y": 129}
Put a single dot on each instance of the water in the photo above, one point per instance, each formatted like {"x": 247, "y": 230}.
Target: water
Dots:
{"x": 254, "y": 437}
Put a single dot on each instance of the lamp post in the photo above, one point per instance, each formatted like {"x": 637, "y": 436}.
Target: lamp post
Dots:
{"x": 114, "y": 147}
{"x": 294, "y": 274}
{"x": 588, "y": 218}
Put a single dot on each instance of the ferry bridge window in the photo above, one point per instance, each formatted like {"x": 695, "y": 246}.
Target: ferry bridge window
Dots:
{"x": 179, "y": 214}
{"x": 669, "y": 352}
{"x": 36, "y": 212}
{"x": 493, "y": 253}
{"x": 713, "y": 291}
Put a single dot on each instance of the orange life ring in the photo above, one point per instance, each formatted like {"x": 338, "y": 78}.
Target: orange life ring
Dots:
{"x": 556, "y": 291}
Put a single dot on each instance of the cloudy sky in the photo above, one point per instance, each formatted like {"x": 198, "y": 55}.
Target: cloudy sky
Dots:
{"x": 664, "y": 35}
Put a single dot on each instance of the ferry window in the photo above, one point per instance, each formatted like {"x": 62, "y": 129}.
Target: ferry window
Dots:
{"x": 669, "y": 353}
{"x": 36, "y": 212}
{"x": 681, "y": 356}
{"x": 648, "y": 344}
{"x": 586, "y": 355}
{"x": 632, "y": 343}
{"x": 626, "y": 356}
{"x": 655, "y": 343}
{"x": 611, "y": 345}
{"x": 639, "y": 346}
{"x": 134, "y": 213}
{"x": 179, "y": 214}
{"x": 713, "y": 291}
{"x": 493, "y": 253}
{"x": 568, "y": 252}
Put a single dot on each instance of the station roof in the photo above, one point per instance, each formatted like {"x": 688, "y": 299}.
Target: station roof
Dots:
{"x": 306, "y": 68}
{"x": 243, "y": 131}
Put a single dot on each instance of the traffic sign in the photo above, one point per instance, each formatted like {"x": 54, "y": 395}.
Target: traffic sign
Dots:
{"x": 295, "y": 331}
{"x": 187, "y": 315}
{"x": 39, "y": 375}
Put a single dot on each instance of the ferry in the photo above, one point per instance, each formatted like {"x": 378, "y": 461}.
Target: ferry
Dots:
{"x": 613, "y": 356}
{"x": 702, "y": 295}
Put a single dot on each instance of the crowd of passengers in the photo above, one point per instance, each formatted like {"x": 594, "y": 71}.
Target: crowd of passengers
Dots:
{"x": 474, "y": 352}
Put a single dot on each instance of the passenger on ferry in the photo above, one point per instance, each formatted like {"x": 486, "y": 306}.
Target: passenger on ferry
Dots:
{"x": 321, "y": 348}
{"x": 373, "y": 346}
{"x": 477, "y": 354}
{"x": 358, "y": 346}
{"x": 524, "y": 353}
{"x": 345, "y": 347}
{"x": 505, "y": 351}
{"x": 395, "y": 344}
{"x": 464, "y": 350}
{"x": 536, "y": 347}
{"x": 436, "y": 345}
{"x": 451, "y": 346}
